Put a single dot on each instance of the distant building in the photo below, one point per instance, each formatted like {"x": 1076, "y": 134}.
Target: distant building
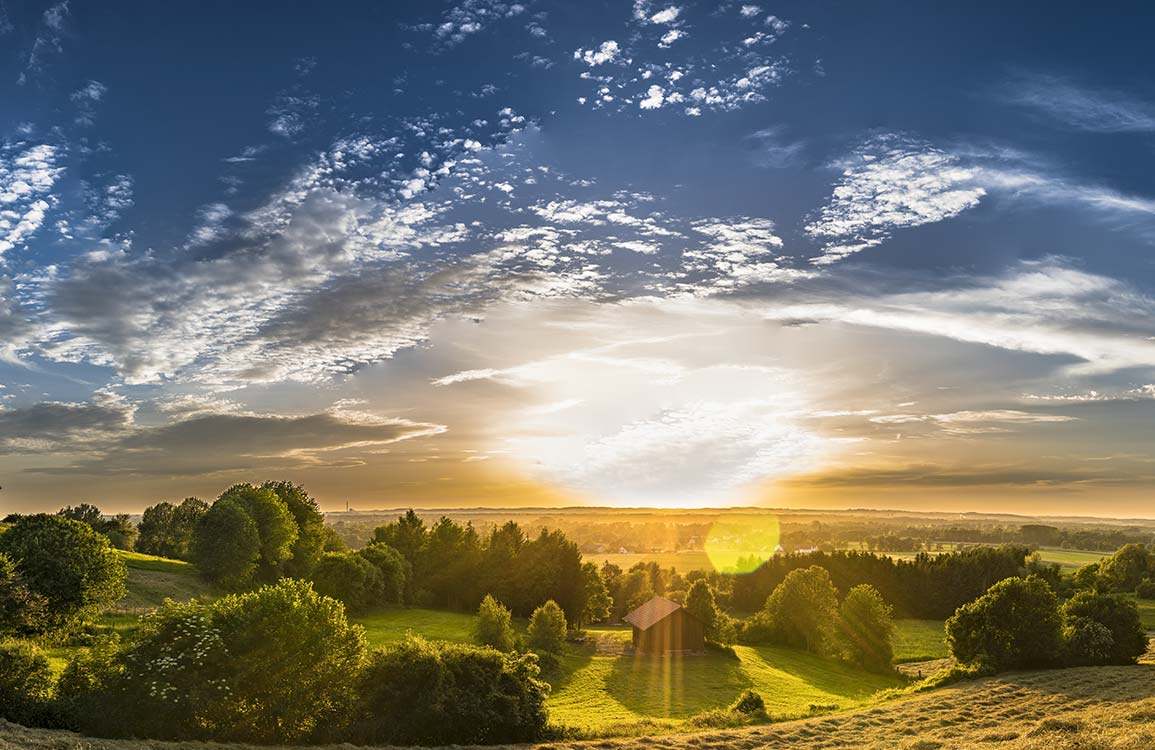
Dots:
{"x": 665, "y": 627}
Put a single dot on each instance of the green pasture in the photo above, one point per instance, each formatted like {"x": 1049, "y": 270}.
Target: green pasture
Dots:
{"x": 919, "y": 640}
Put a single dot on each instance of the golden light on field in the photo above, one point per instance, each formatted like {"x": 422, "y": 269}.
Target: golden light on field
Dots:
{"x": 740, "y": 542}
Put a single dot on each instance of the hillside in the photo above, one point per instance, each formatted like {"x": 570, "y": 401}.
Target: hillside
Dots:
{"x": 151, "y": 580}
{"x": 1089, "y": 708}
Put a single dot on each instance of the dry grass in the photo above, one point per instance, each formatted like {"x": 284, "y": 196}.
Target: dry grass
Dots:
{"x": 1090, "y": 708}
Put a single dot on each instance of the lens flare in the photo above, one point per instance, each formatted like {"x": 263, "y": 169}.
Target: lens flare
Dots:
{"x": 740, "y": 542}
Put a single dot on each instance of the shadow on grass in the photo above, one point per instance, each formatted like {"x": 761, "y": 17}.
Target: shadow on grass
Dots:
{"x": 676, "y": 687}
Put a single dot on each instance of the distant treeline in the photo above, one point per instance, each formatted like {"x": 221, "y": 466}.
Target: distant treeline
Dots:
{"x": 924, "y": 587}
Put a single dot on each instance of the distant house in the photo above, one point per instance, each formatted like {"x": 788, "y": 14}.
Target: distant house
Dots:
{"x": 665, "y": 627}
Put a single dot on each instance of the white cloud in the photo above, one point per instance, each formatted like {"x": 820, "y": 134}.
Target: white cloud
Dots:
{"x": 666, "y": 16}
{"x": 608, "y": 52}
{"x": 1101, "y": 110}
{"x": 27, "y": 175}
{"x": 655, "y": 97}
{"x": 890, "y": 183}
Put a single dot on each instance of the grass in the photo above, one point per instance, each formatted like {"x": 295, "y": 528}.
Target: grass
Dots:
{"x": 1070, "y": 558}
{"x": 387, "y": 626}
{"x": 597, "y": 692}
{"x": 1089, "y": 708}
{"x": 919, "y": 640}
{"x": 1147, "y": 613}
{"x": 152, "y": 579}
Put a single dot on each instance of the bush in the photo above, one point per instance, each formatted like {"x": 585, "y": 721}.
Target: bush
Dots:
{"x": 276, "y": 665}
{"x": 1145, "y": 589}
{"x": 166, "y": 530}
{"x": 1125, "y": 569}
{"x": 1119, "y": 638}
{"x": 393, "y": 567}
{"x": 350, "y": 579}
{"x": 86, "y": 680}
{"x": 20, "y": 609}
{"x": 26, "y": 683}
{"x": 547, "y": 628}
{"x": 866, "y": 629}
{"x": 750, "y": 703}
{"x": 448, "y": 694}
{"x": 494, "y": 626}
{"x": 71, "y": 569}
{"x": 1014, "y": 625}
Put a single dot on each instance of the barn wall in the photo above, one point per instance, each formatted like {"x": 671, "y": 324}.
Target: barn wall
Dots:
{"x": 677, "y": 632}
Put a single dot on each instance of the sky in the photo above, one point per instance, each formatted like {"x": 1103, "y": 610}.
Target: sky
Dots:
{"x": 633, "y": 253}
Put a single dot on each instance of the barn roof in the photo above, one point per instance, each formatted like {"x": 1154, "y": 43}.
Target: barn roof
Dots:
{"x": 653, "y": 611}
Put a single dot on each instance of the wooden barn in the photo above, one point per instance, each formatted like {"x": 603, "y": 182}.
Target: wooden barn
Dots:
{"x": 665, "y": 627}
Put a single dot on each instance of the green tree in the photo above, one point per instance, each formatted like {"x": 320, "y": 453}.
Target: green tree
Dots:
{"x": 349, "y": 578}
{"x": 227, "y": 544}
{"x": 598, "y": 602}
{"x": 309, "y": 545}
{"x": 276, "y": 527}
{"x": 1123, "y": 570}
{"x": 802, "y": 609}
{"x": 167, "y": 530}
{"x": 275, "y": 665}
{"x": 865, "y": 629}
{"x": 700, "y": 603}
{"x": 66, "y": 565}
{"x": 494, "y": 625}
{"x": 393, "y": 567}
{"x": 1117, "y": 617}
{"x": 20, "y": 609}
{"x": 26, "y": 683}
{"x": 449, "y": 694}
{"x": 547, "y": 628}
{"x": 1014, "y": 625}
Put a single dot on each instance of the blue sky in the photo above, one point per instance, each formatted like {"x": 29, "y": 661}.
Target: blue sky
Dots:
{"x": 887, "y": 254}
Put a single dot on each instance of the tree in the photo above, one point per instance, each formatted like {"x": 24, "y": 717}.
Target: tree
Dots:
{"x": 1014, "y": 625}
{"x": 449, "y": 694}
{"x": 227, "y": 545}
{"x": 167, "y": 530}
{"x": 276, "y": 526}
{"x": 393, "y": 568}
{"x": 309, "y": 545}
{"x": 700, "y": 603}
{"x": 119, "y": 529}
{"x": 349, "y": 578}
{"x": 547, "y": 628}
{"x": 1123, "y": 570}
{"x": 26, "y": 683}
{"x": 275, "y": 665}
{"x": 1119, "y": 638}
{"x": 494, "y": 626}
{"x": 802, "y": 609}
{"x": 598, "y": 602}
{"x": 72, "y": 569}
{"x": 20, "y": 609}
{"x": 866, "y": 628}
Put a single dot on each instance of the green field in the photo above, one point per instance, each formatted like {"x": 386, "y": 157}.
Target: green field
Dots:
{"x": 683, "y": 562}
{"x": 1070, "y": 558}
{"x": 151, "y": 580}
{"x": 919, "y": 640}
{"x": 600, "y": 692}
{"x": 391, "y": 625}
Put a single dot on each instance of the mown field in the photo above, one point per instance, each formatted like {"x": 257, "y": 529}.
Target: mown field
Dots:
{"x": 1089, "y": 708}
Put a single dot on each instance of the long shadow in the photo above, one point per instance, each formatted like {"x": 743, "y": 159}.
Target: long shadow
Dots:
{"x": 826, "y": 675}
{"x": 676, "y": 687}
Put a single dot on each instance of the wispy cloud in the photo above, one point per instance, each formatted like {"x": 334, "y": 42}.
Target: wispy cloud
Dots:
{"x": 1098, "y": 110}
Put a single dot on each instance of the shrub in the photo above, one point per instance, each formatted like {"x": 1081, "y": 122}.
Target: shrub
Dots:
{"x": 167, "y": 530}
{"x": 440, "y": 694}
{"x": 547, "y": 628}
{"x": 494, "y": 626}
{"x": 26, "y": 683}
{"x": 750, "y": 703}
{"x": 393, "y": 567}
{"x": 226, "y": 545}
{"x": 350, "y": 579}
{"x": 72, "y": 569}
{"x": 1145, "y": 589}
{"x": 274, "y": 665}
{"x": 1119, "y": 637}
{"x": 309, "y": 543}
{"x": 1014, "y": 625}
{"x": 84, "y": 684}
{"x": 866, "y": 629}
